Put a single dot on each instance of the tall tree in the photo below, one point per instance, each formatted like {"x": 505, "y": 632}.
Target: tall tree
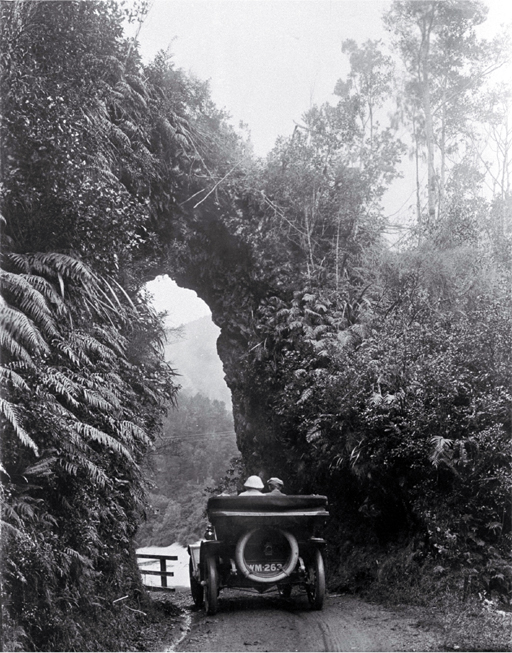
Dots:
{"x": 446, "y": 65}
{"x": 324, "y": 184}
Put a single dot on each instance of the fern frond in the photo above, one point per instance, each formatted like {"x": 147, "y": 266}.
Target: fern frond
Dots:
{"x": 11, "y": 514}
{"x": 20, "y": 262}
{"x": 53, "y": 263}
{"x": 73, "y": 444}
{"x": 128, "y": 431}
{"x": 135, "y": 431}
{"x": 42, "y": 468}
{"x": 442, "y": 450}
{"x": 69, "y": 467}
{"x": 23, "y": 507}
{"x": 9, "y": 528}
{"x": 77, "y": 357}
{"x": 48, "y": 291}
{"x": 28, "y": 300}
{"x": 95, "y": 400}
{"x": 95, "y": 473}
{"x": 94, "y": 434}
{"x": 77, "y": 556}
{"x": 92, "y": 346}
{"x": 59, "y": 413}
{"x": 152, "y": 395}
{"x": 115, "y": 380}
{"x": 16, "y": 381}
{"x": 21, "y": 365}
{"x": 115, "y": 340}
{"x": 10, "y": 412}
{"x": 61, "y": 384}
{"x": 22, "y": 330}
{"x": 110, "y": 394}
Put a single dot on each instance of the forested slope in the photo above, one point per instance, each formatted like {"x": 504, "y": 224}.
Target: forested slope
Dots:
{"x": 189, "y": 460}
{"x": 377, "y": 374}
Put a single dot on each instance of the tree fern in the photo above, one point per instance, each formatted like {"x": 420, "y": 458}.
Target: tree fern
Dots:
{"x": 10, "y": 413}
{"x": 95, "y": 399}
{"x": 9, "y": 376}
{"x": 23, "y": 331}
{"x": 29, "y": 300}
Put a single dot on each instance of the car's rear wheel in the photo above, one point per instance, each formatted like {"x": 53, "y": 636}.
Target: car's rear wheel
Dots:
{"x": 315, "y": 585}
{"x": 196, "y": 589}
{"x": 211, "y": 595}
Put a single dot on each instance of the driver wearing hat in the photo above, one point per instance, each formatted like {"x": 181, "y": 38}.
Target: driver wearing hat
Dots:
{"x": 253, "y": 486}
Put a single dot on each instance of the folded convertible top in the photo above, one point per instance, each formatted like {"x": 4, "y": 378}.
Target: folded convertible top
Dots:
{"x": 268, "y": 502}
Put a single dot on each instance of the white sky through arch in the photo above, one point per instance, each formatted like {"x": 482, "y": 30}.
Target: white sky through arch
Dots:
{"x": 180, "y": 304}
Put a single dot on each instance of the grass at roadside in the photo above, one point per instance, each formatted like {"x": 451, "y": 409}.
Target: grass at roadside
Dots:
{"x": 471, "y": 626}
{"x": 465, "y": 623}
{"x": 165, "y": 621}
{"x": 464, "y": 619}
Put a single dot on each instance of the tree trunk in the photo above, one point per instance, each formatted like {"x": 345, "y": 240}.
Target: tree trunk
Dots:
{"x": 443, "y": 156}
{"x": 424, "y": 77}
{"x": 418, "y": 192}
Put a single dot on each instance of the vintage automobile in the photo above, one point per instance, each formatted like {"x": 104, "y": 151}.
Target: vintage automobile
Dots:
{"x": 265, "y": 542}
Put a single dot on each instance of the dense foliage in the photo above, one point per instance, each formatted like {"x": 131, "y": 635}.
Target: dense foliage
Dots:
{"x": 97, "y": 154}
{"x": 384, "y": 377}
{"x": 380, "y": 377}
{"x": 79, "y": 411}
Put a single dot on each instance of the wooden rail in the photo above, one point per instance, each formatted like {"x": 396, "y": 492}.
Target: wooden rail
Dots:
{"x": 163, "y": 573}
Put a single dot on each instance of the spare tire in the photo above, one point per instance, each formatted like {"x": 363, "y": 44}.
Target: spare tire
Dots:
{"x": 267, "y": 555}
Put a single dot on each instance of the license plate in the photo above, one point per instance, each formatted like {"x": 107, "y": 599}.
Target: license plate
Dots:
{"x": 265, "y": 567}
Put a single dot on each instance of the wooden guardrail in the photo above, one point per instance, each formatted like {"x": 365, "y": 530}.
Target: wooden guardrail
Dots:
{"x": 163, "y": 573}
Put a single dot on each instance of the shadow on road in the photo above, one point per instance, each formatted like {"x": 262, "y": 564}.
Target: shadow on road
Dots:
{"x": 237, "y": 600}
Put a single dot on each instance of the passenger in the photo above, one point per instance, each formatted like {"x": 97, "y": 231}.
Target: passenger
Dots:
{"x": 276, "y": 485}
{"x": 253, "y": 486}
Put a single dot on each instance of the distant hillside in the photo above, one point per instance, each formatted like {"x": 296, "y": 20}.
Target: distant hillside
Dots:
{"x": 194, "y": 356}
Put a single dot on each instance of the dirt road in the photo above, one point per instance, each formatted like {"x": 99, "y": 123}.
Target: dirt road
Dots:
{"x": 252, "y": 622}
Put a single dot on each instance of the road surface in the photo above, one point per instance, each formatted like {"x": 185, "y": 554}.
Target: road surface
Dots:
{"x": 251, "y": 622}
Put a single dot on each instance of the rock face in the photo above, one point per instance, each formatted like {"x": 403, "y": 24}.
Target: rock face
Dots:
{"x": 223, "y": 270}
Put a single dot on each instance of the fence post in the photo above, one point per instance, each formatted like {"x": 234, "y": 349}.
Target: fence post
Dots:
{"x": 163, "y": 569}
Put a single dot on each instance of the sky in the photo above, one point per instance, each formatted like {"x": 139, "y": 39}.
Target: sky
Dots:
{"x": 267, "y": 62}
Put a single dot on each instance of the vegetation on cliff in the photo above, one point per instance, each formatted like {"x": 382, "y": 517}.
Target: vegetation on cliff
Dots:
{"x": 97, "y": 156}
{"x": 380, "y": 376}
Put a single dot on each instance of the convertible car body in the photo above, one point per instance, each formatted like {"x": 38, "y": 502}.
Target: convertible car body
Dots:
{"x": 262, "y": 542}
